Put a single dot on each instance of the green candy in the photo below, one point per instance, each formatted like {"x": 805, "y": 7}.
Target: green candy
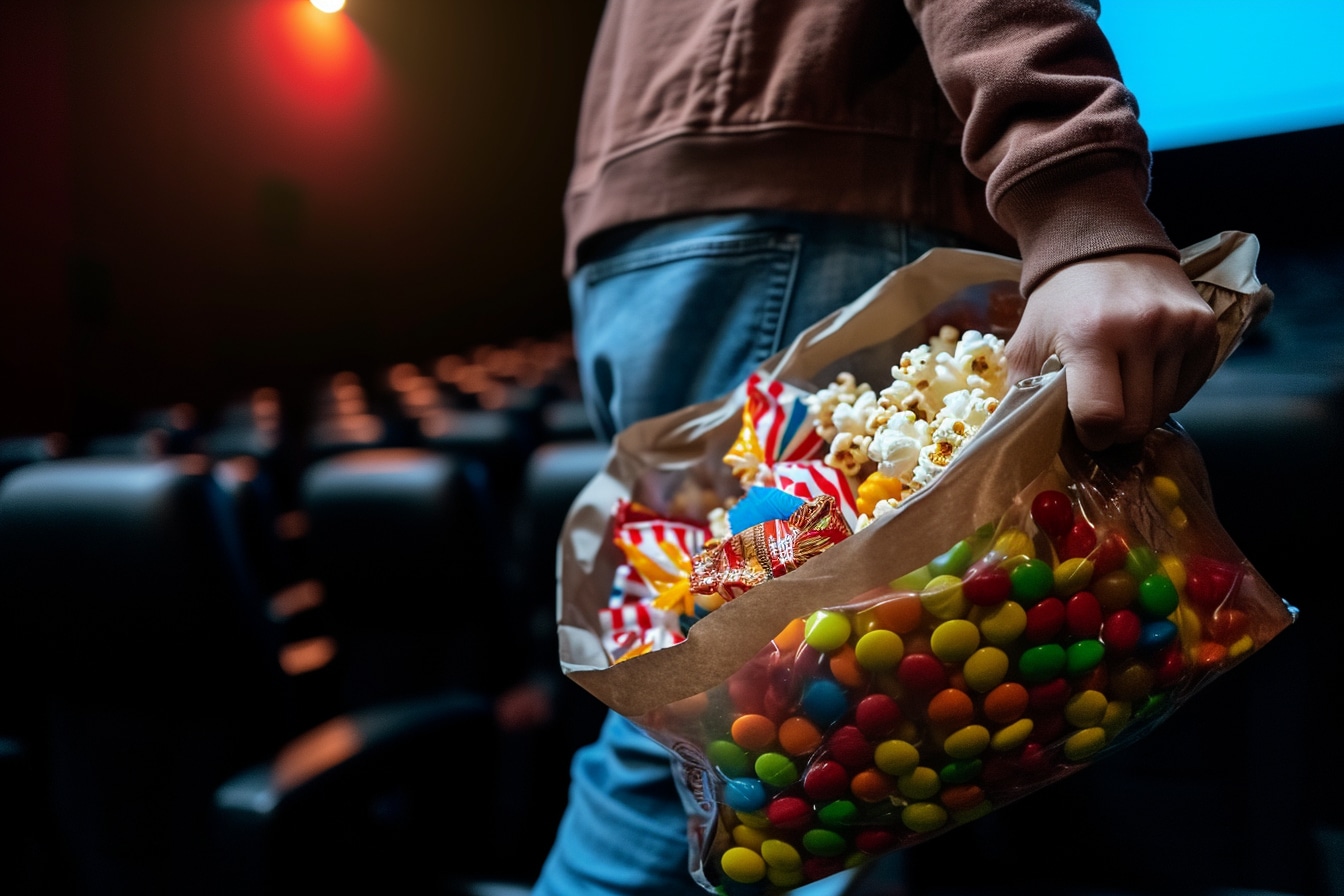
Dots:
{"x": 1158, "y": 597}
{"x": 954, "y": 561}
{"x": 776, "y": 769}
{"x": 1032, "y": 579}
{"x": 1042, "y": 662}
{"x": 730, "y": 759}
{"x": 1083, "y": 655}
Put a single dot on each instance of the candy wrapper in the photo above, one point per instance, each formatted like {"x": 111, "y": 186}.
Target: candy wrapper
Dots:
{"x": 921, "y": 605}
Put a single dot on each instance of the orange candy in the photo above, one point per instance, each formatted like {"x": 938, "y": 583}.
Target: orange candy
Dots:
{"x": 1006, "y": 702}
{"x": 787, "y": 641}
{"x": 961, "y": 797}
{"x": 951, "y": 709}
{"x": 846, "y": 669}
{"x": 753, "y": 732}
{"x": 900, "y": 614}
{"x": 872, "y": 785}
{"x": 798, "y": 736}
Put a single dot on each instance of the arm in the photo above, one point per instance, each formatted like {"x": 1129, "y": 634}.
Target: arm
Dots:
{"x": 1055, "y": 134}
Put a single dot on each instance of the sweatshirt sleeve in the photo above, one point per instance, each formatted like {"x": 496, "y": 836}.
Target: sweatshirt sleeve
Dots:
{"x": 1049, "y": 126}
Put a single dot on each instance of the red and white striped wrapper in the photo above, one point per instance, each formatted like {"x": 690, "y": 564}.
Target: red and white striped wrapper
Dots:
{"x": 636, "y": 626}
{"x": 782, "y": 421}
{"x": 813, "y": 478}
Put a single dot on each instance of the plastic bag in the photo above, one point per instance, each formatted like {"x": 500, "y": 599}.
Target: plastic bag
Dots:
{"x": 1032, "y": 609}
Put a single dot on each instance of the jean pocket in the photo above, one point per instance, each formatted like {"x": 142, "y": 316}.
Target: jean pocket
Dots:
{"x": 659, "y": 327}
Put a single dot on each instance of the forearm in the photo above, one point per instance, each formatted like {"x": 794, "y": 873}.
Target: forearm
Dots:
{"x": 1049, "y": 126}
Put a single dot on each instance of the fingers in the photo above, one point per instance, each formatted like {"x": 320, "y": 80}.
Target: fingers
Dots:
{"x": 1096, "y": 398}
{"x": 1136, "y": 339}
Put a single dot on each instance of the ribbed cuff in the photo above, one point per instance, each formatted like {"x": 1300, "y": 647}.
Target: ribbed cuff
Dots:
{"x": 1088, "y": 207}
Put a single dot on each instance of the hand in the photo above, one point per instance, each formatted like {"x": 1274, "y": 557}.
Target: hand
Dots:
{"x": 1136, "y": 340}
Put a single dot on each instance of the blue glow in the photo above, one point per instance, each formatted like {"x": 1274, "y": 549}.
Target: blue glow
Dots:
{"x": 1205, "y": 71}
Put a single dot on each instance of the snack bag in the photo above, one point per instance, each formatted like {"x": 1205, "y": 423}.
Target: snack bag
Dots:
{"x": 888, "y": 612}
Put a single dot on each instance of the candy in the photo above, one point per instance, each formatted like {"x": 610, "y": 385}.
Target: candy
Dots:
{"x": 798, "y": 736}
{"x": 743, "y": 865}
{"x": 827, "y": 630}
{"x": 767, "y": 550}
{"x": 1052, "y": 510}
{"x": 987, "y": 672}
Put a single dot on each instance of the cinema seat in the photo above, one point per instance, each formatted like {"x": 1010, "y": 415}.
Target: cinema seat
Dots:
{"x": 393, "y": 798}
{"x": 405, "y": 545}
{"x": 136, "y": 659}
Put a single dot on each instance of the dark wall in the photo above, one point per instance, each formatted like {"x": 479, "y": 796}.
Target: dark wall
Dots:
{"x": 200, "y": 198}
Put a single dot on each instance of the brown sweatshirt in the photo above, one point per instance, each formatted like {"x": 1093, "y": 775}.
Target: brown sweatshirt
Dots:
{"x": 1004, "y": 121}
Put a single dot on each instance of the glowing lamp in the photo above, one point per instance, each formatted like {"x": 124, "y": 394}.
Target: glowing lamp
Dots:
{"x": 329, "y": 5}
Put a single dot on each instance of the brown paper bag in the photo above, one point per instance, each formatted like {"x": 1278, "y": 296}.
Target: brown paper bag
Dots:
{"x": 674, "y": 465}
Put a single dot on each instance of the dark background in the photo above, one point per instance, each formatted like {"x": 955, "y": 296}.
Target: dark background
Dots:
{"x": 202, "y": 198}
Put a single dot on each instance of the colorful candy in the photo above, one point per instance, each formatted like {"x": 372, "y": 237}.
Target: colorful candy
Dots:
{"x": 871, "y": 726}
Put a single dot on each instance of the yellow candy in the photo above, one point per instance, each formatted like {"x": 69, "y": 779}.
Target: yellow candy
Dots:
{"x": 1085, "y": 709}
{"x": 1244, "y": 644}
{"x": 785, "y": 880}
{"x": 923, "y": 817}
{"x": 967, "y": 743}
{"x": 754, "y": 819}
{"x": 1082, "y": 744}
{"x": 919, "y": 784}
{"x": 781, "y": 855}
{"x": 896, "y": 757}
{"x": 1174, "y": 568}
{"x": 879, "y": 650}
{"x": 1010, "y": 737}
{"x": 1166, "y": 491}
{"x": 979, "y": 810}
{"x": 1072, "y": 576}
{"x": 1004, "y": 624}
{"x": 750, "y": 837}
{"x": 955, "y": 640}
{"x": 743, "y": 865}
{"x": 1116, "y": 717}
{"x": 1014, "y": 542}
{"x": 942, "y": 597}
{"x": 985, "y": 669}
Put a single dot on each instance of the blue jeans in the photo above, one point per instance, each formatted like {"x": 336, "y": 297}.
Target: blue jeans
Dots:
{"x": 667, "y": 315}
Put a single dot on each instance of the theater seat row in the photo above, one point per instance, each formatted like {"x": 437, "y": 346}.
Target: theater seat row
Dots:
{"x": 209, "y": 687}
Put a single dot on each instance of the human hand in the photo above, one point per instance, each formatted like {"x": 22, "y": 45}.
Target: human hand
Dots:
{"x": 1136, "y": 339}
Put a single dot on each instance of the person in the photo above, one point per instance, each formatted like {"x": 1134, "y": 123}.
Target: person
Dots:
{"x": 744, "y": 168}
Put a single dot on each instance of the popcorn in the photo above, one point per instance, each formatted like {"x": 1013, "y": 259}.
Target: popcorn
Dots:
{"x": 940, "y": 395}
{"x": 824, "y": 403}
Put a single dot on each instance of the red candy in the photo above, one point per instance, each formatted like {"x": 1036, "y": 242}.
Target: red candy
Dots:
{"x": 921, "y": 673}
{"x": 875, "y": 840}
{"x": 1208, "y": 582}
{"x": 789, "y": 812}
{"x": 1053, "y": 512}
{"x": 850, "y": 747}
{"x": 1120, "y": 632}
{"x": 1079, "y": 541}
{"x": 1045, "y": 619}
{"x": 877, "y": 716}
{"x": 825, "y": 781}
{"x": 1082, "y": 615}
{"x": 1109, "y": 554}
{"x": 1049, "y": 696}
{"x": 987, "y": 586}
